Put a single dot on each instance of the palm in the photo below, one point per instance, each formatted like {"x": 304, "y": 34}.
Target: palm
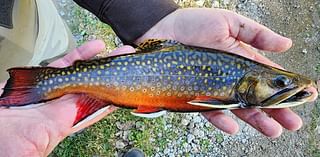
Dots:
{"x": 224, "y": 30}
{"x": 35, "y": 132}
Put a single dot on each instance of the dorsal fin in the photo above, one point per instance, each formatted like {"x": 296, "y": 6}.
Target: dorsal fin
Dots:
{"x": 155, "y": 44}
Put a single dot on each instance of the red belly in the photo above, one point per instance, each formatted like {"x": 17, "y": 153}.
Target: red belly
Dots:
{"x": 128, "y": 99}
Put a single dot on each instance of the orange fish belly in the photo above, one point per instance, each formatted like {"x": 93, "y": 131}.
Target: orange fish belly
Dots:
{"x": 133, "y": 99}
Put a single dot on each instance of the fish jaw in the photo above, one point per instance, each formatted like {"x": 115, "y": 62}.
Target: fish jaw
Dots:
{"x": 297, "y": 97}
{"x": 269, "y": 87}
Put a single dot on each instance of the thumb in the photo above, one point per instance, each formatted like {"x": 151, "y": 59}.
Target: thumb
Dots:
{"x": 85, "y": 51}
{"x": 255, "y": 34}
{"x": 122, "y": 50}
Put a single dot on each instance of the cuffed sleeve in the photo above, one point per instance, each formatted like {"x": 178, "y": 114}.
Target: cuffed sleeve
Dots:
{"x": 130, "y": 19}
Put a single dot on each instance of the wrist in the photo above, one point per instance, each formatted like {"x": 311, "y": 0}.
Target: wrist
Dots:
{"x": 164, "y": 29}
{"x": 129, "y": 19}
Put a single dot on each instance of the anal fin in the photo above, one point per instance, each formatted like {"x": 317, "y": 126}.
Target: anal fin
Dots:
{"x": 148, "y": 112}
{"x": 89, "y": 108}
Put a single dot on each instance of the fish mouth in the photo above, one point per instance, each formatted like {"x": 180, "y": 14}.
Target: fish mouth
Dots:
{"x": 288, "y": 97}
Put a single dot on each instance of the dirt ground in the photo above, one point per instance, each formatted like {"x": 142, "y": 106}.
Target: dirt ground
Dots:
{"x": 298, "y": 20}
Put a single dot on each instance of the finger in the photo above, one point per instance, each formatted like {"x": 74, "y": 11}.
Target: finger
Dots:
{"x": 221, "y": 121}
{"x": 260, "y": 121}
{"x": 286, "y": 117}
{"x": 1, "y": 87}
{"x": 314, "y": 92}
{"x": 86, "y": 51}
{"x": 122, "y": 50}
{"x": 258, "y": 57}
{"x": 255, "y": 34}
{"x": 245, "y": 50}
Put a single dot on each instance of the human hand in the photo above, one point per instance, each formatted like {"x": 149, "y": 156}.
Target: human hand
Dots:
{"x": 225, "y": 30}
{"x": 36, "y": 131}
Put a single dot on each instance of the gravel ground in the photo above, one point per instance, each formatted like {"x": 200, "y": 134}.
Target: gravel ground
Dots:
{"x": 193, "y": 135}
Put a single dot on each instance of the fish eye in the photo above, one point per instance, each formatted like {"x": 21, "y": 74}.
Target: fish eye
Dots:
{"x": 281, "y": 81}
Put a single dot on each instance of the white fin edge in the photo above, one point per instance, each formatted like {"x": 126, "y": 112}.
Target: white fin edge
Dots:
{"x": 91, "y": 117}
{"x": 215, "y": 106}
{"x": 150, "y": 115}
{"x": 285, "y": 105}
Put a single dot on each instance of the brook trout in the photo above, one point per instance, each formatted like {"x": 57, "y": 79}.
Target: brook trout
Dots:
{"x": 161, "y": 75}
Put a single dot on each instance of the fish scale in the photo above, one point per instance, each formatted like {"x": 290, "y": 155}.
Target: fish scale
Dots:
{"x": 173, "y": 68}
{"x": 161, "y": 75}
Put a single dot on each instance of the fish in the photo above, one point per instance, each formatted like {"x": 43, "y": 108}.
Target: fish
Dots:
{"x": 163, "y": 75}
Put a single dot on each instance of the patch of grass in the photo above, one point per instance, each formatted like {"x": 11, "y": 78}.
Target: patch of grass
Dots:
{"x": 314, "y": 145}
{"x": 219, "y": 138}
{"x": 97, "y": 139}
{"x": 194, "y": 4}
{"x": 205, "y": 144}
{"x": 85, "y": 26}
{"x": 100, "y": 138}
{"x": 318, "y": 68}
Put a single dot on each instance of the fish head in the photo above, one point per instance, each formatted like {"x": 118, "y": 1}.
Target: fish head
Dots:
{"x": 274, "y": 88}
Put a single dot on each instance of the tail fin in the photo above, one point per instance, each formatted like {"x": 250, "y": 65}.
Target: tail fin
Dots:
{"x": 22, "y": 87}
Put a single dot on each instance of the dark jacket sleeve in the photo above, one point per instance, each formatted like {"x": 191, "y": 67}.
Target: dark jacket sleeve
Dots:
{"x": 130, "y": 19}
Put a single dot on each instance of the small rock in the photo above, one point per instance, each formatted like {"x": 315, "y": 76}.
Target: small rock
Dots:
{"x": 200, "y": 2}
{"x": 318, "y": 129}
{"x": 226, "y": 2}
{"x": 197, "y": 119}
{"x": 119, "y": 126}
{"x": 191, "y": 125}
{"x": 61, "y": 13}
{"x": 201, "y": 124}
{"x": 243, "y": 1}
{"x": 120, "y": 144}
{"x": 185, "y": 145}
{"x": 118, "y": 133}
{"x": 190, "y": 137}
{"x": 166, "y": 151}
{"x": 140, "y": 125}
{"x": 198, "y": 133}
{"x": 304, "y": 51}
{"x": 125, "y": 135}
{"x": 127, "y": 125}
{"x": 208, "y": 124}
{"x": 118, "y": 42}
{"x": 152, "y": 140}
{"x": 185, "y": 122}
{"x": 215, "y": 4}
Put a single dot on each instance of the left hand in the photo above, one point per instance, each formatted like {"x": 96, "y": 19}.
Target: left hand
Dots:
{"x": 36, "y": 131}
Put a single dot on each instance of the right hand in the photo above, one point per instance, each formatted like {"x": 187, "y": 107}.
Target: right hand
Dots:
{"x": 228, "y": 31}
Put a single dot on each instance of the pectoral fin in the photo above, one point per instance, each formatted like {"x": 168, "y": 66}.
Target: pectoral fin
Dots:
{"x": 212, "y": 103}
